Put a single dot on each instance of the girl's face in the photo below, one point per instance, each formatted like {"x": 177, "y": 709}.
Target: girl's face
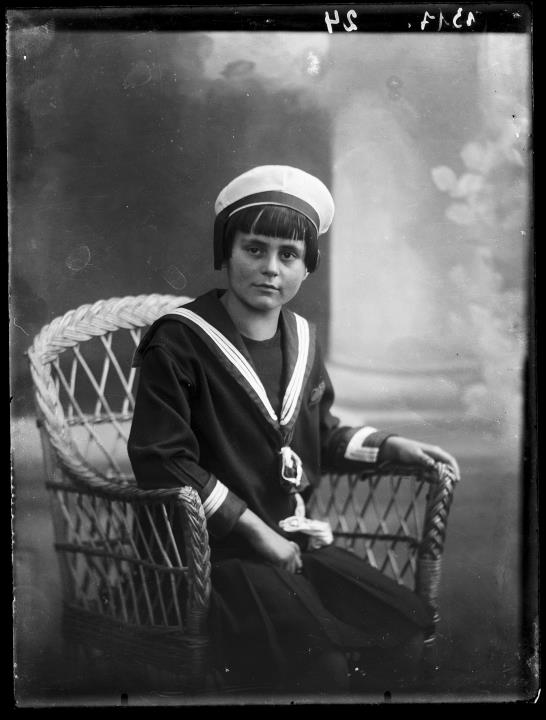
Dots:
{"x": 264, "y": 273}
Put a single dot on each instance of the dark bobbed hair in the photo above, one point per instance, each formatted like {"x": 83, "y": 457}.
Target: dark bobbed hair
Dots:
{"x": 274, "y": 221}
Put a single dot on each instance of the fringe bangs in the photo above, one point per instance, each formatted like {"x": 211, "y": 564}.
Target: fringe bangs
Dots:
{"x": 274, "y": 221}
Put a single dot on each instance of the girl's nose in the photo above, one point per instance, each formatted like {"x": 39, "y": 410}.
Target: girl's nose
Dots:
{"x": 271, "y": 265}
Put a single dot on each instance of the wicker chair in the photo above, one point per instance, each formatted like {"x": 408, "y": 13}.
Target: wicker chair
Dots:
{"x": 130, "y": 589}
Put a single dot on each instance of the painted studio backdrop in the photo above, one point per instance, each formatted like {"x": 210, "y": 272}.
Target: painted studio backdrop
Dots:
{"x": 119, "y": 143}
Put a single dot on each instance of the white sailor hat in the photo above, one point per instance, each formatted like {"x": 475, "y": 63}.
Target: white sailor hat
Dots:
{"x": 273, "y": 185}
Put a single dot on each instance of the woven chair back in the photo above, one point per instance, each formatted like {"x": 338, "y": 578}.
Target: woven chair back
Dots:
{"x": 122, "y": 558}
{"x": 85, "y": 385}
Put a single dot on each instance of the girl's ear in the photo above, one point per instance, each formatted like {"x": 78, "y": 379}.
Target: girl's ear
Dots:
{"x": 306, "y": 274}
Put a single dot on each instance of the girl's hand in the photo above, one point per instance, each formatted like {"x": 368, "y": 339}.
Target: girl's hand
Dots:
{"x": 280, "y": 551}
{"x": 399, "y": 449}
{"x": 268, "y": 543}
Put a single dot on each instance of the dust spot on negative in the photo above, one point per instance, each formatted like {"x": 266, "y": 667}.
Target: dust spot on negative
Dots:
{"x": 139, "y": 74}
{"x": 394, "y": 84}
{"x": 78, "y": 258}
{"x": 312, "y": 63}
{"x": 174, "y": 277}
{"x": 238, "y": 68}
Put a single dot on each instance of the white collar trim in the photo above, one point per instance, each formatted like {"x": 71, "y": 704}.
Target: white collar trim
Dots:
{"x": 236, "y": 358}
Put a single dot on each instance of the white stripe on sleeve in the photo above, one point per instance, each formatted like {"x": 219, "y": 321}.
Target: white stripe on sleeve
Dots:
{"x": 215, "y": 499}
{"x": 355, "y": 449}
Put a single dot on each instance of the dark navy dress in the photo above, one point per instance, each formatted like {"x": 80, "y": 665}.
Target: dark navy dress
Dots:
{"x": 202, "y": 419}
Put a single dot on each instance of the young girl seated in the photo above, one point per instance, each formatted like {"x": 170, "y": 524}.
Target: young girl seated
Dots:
{"x": 234, "y": 400}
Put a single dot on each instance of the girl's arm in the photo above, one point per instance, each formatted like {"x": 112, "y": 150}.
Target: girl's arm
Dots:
{"x": 162, "y": 447}
{"x": 268, "y": 543}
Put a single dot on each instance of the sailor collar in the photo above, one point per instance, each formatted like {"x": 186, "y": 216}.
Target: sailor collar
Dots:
{"x": 209, "y": 319}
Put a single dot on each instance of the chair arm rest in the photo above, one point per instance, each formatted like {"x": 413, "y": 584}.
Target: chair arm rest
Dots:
{"x": 193, "y": 524}
{"x": 125, "y": 492}
{"x": 441, "y": 480}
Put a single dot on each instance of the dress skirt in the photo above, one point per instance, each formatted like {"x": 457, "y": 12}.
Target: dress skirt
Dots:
{"x": 266, "y": 622}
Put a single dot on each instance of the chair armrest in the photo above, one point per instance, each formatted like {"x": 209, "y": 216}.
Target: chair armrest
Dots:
{"x": 389, "y": 519}
{"x": 441, "y": 481}
{"x": 193, "y": 523}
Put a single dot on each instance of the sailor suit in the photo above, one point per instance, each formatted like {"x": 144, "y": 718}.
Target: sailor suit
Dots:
{"x": 203, "y": 418}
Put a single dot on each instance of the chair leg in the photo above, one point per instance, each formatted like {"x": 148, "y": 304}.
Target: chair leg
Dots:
{"x": 429, "y": 662}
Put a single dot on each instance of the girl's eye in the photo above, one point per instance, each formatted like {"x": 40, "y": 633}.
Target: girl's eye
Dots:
{"x": 253, "y": 250}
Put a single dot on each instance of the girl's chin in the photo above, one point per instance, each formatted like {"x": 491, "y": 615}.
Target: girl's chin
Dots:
{"x": 266, "y": 304}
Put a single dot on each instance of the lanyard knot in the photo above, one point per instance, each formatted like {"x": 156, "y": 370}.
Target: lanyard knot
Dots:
{"x": 291, "y": 467}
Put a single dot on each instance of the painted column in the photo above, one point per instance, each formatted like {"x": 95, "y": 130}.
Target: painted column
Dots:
{"x": 387, "y": 355}
{"x": 430, "y": 178}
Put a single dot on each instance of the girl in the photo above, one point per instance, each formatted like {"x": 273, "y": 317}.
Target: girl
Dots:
{"x": 234, "y": 400}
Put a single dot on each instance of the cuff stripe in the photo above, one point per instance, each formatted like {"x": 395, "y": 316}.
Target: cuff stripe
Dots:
{"x": 365, "y": 455}
{"x": 215, "y": 499}
{"x": 355, "y": 449}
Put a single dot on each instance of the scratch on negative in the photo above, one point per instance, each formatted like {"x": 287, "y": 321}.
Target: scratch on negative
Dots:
{"x": 20, "y": 328}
